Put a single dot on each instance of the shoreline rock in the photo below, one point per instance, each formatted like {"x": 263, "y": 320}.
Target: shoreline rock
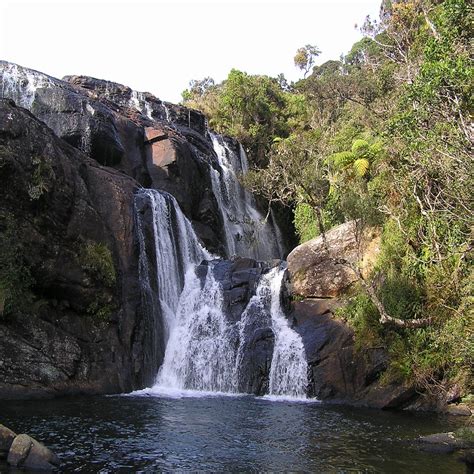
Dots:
{"x": 24, "y": 452}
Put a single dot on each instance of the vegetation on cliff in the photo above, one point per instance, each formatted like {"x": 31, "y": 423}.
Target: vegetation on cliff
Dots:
{"x": 383, "y": 136}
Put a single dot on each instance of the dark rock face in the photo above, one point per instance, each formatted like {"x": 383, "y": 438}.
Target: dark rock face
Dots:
{"x": 111, "y": 123}
{"x": 81, "y": 332}
{"x": 337, "y": 372}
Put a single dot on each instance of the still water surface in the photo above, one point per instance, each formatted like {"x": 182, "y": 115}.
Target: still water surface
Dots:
{"x": 146, "y": 433}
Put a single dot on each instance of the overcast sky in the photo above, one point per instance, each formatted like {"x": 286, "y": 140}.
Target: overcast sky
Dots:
{"x": 159, "y": 46}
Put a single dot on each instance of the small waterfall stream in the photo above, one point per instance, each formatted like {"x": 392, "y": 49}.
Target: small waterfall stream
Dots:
{"x": 289, "y": 369}
{"x": 247, "y": 232}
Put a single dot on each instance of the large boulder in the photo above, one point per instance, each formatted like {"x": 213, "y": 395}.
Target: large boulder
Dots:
{"x": 6, "y": 439}
{"x": 27, "y": 453}
{"x": 314, "y": 269}
{"x": 337, "y": 371}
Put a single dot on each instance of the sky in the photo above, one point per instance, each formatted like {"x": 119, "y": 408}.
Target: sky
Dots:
{"x": 158, "y": 46}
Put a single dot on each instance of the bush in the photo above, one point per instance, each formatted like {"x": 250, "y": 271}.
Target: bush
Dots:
{"x": 305, "y": 222}
{"x": 363, "y": 317}
{"x": 96, "y": 259}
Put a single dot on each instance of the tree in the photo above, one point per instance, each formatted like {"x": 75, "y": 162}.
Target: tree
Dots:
{"x": 305, "y": 58}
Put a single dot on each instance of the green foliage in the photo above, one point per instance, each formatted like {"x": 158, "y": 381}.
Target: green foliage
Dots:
{"x": 305, "y": 222}
{"x": 383, "y": 137}
{"x": 305, "y": 57}
{"x": 42, "y": 174}
{"x": 96, "y": 259}
{"x": 362, "y": 316}
{"x": 250, "y": 108}
{"x": 100, "y": 310}
{"x": 361, "y": 166}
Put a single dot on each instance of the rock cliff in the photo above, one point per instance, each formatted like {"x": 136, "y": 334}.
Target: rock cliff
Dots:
{"x": 68, "y": 222}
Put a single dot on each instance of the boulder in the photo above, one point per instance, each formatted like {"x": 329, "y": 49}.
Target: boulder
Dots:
{"x": 313, "y": 270}
{"x": 447, "y": 442}
{"x": 25, "y": 452}
{"x": 6, "y": 439}
{"x": 460, "y": 409}
{"x": 337, "y": 371}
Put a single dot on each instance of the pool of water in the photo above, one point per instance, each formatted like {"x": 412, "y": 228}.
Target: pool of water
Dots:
{"x": 221, "y": 433}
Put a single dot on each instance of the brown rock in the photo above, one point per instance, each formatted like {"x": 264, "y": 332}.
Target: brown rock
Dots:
{"x": 461, "y": 410}
{"x": 28, "y": 453}
{"x": 313, "y": 271}
{"x": 19, "y": 450}
{"x": 6, "y": 439}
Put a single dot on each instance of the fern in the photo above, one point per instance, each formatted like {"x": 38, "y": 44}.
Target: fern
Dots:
{"x": 360, "y": 148}
{"x": 343, "y": 159}
{"x": 361, "y": 166}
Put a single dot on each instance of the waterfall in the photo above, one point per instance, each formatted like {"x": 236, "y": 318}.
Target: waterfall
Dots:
{"x": 247, "y": 232}
{"x": 194, "y": 338}
{"x": 139, "y": 102}
{"x": 204, "y": 348}
{"x": 199, "y": 355}
{"x": 289, "y": 369}
{"x": 20, "y": 84}
{"x": 177, "y": 250}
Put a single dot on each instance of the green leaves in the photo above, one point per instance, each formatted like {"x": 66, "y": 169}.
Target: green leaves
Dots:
{"x": 358, "y": 160}
{"x": 305, "y": 57}
{"x": 360, "y": 148}
{"x": 97, "y": 260}
{"x": 361, "y": 166}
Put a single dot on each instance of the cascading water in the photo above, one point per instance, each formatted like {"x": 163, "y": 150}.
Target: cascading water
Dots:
{"x": 206, "y": 352}
{"x": 289, "y": 369}
{"x": 247, "y": 232}
{"x": 177, "y": 250}
{"x": 205, "y": 349}
{"x": 199, "y": 354}
{"x": 138, "y": 101}
{"x": 20, "y": 84}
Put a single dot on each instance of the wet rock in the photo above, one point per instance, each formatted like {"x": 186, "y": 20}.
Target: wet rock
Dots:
{"x": 447, "y": 442}
{"x": 6, "y": 439}
{"x": 313, "y": 271}
{"x": 337, "y": 372}
{"x": 25, "y": 452}
{"x": 460, "y": 409}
